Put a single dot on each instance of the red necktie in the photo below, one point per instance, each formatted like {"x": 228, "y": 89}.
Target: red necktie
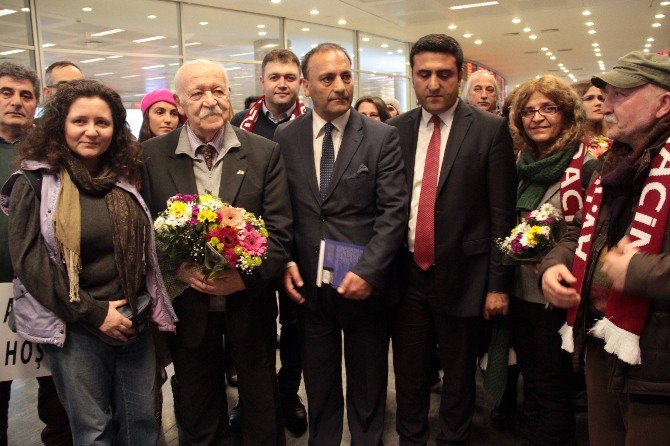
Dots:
{"x": 424, "y": 234}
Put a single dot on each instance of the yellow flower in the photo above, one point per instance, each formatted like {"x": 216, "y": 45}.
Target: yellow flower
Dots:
{"x": 206, "y": 215}
{"x": 533, "y": 233}
{"x": 178, "y": 209}
{"x": 205, "y": 198}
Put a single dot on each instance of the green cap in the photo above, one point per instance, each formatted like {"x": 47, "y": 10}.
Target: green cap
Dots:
{"x": 636, "y": 69}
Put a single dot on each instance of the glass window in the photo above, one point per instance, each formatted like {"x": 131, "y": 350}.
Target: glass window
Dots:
{"x": 304, "y": 36}
{"x": 213, "y": 33}
{"x": 381, "y": 55}
{"x": 18, "y": 56}
{"x": 384, "y": 86}
{"x": 243, "y": 79}
{"x": 120, "y": 26}
{"x": 15, "y": 22}
{"x": 132, "y": 77}
{"x": 383, "y": 65}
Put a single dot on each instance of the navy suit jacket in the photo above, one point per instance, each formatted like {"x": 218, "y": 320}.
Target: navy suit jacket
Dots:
{"x": 367, "y": 201}
{"x": 474, "y": 207}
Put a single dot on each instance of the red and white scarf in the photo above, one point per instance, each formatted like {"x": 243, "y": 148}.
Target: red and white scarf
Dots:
{"x": 625, "y": 316}
{"x": 256, "y": 109}
{"x": 571, "y": 194}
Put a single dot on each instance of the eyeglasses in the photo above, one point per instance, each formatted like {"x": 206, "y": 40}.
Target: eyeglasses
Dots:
{"x": 218, "y": 93}
{"x": 545, "y": 110}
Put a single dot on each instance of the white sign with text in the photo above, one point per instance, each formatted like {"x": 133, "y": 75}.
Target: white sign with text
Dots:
{"x": 18, "y": 358}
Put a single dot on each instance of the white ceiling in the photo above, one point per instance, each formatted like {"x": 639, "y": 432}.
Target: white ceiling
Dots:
{"x": 621, "y": 26}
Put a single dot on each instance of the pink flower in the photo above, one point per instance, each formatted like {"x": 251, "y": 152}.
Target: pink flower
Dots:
{"x": 253, "y": 242}
{"x": 231, "y": 257}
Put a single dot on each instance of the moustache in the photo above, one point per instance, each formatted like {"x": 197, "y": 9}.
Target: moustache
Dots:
{"x": 609, "y": 119}
{"x": 207, "y": 111}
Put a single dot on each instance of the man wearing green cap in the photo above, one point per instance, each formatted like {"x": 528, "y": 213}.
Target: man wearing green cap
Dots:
{"x": 611, "y": 269}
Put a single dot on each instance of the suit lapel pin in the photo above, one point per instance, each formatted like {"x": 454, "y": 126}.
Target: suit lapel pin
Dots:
{"x": 240, "y": 172}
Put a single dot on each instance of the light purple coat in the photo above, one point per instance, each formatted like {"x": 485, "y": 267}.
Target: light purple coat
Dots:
{"x": 38, "y": 324}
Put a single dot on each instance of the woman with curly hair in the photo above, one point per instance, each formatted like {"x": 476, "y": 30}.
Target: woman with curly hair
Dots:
{"x": 372, "y": 107}
{"x": 594, "y": 132}
{"x": 549, "y": 121}
{"x": 81, "y": 243}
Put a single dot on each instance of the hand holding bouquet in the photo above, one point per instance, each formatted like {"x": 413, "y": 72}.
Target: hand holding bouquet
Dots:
{"x": 209, "y": 233}
{"x": 531, "y": 239}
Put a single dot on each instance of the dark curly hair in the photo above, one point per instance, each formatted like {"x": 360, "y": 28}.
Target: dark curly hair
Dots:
{"x": 46, "y": 142}
{"x": 379, "y": 104}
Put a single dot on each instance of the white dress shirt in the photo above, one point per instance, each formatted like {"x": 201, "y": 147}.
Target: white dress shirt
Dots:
{"x": 422, "y": 141}
{"x": 318, "y": 132}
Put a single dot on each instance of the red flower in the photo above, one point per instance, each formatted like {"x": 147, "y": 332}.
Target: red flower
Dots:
{"x": 226, "y": 235}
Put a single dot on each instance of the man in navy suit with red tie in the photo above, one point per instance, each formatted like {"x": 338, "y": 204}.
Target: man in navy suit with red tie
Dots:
{"x": 460, "y": 172}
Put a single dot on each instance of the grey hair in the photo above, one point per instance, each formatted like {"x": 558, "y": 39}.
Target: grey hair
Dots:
{"x": 21, "y": 73}
{"x": 465, "y": 92}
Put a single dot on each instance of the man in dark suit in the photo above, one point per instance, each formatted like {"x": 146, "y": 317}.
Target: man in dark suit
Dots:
{"x": 245, "y": 170}
{"x": 460, "y": 171}
{"x": 346, "y": 183}
{"x": 280, "y": 81}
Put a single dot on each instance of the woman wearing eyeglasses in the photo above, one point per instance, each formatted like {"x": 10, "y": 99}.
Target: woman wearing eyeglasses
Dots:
{"x": 549, "y": 119}
{"x": 594, "y": 132}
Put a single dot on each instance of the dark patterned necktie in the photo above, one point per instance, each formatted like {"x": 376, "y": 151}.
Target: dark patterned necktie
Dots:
{"x": 327, "y": 159}
{"x": 208, "y": 153}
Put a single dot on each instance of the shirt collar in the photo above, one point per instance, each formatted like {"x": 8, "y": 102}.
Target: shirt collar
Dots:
{"x": 446, "y": 117}
{"x": 340, "y": 123}
{"x": 282, "y": 117}
{"x": 195, "y": 141}
{"x": 5, "y": 141}
{"x": 223, "y": 140}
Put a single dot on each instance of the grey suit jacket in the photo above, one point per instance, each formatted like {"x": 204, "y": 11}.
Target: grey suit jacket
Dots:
{"x": 367, "y": 202}
{"x": 253, "y": 178}
{"x": 474, "y": 207}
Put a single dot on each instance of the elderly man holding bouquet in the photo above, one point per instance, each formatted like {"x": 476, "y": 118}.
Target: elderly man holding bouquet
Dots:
{"x": 209, "y": 156}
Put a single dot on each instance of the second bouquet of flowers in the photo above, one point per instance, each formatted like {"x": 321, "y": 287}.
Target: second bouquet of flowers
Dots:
{"x": 531, "y": 239}
{"x": 210, "y": 233}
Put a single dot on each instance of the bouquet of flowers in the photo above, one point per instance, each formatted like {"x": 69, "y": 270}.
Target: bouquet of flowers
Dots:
{"x": 210, "y": 233}
{"x": 531, "y": 239}
{"x": 597, "y": 145}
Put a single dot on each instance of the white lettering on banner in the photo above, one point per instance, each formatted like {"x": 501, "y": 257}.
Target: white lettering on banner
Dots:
{"x": 574, "y": 194}
{"x": 658, "y": 187}
{"x": 663, "y": 169}
{"x": 571, "y": 175}
{"x": 589, "y": 220}
{"x": 579, "y": 252}
{"x": 645, "y": 219}
{"x": 19, "y": 358}
{"x": 642, "y": 237}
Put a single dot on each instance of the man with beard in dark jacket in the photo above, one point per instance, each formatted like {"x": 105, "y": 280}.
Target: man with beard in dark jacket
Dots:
{"x": 611, "y": 270}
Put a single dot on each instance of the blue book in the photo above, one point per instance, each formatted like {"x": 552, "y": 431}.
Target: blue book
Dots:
{"x": 336, "y": 259}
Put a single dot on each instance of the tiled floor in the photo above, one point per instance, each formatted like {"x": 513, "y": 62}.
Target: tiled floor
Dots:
{"x": 24, "y": 425}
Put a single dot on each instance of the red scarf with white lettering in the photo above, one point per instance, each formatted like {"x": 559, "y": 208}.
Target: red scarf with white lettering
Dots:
{"x": 256, "y": 109}
{"x": 625, "y": 316}
{"x": 571, "y": 193}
